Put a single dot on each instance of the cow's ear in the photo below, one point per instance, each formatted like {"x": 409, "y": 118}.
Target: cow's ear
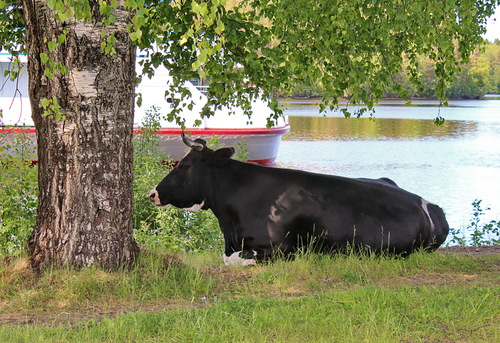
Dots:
{"x": 221, "y": 156}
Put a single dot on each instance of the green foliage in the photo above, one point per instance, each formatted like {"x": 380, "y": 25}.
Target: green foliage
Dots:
{"x": 352, "y": 48}
{"x": 472, "y": 80}
{"x": 18, "y": 191}
{"x": 483, "y": 234}
{"x": 51, "y": 107}
{"x": 150, "y": 165}
{"x": 475, "y": 78}
{"x": 176, "y": 230}
{"x": 477, "y": 233}
{"x": 12, "y": 27}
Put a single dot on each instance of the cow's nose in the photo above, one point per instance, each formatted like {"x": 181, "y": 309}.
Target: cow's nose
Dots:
{"x": 155, "y": 198}
{"x": 153, "y": 195}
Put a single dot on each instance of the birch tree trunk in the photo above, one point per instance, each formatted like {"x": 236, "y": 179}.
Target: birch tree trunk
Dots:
{"x": 86, "y": 158}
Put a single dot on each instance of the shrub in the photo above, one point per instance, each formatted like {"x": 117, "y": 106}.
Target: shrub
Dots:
{"x": 476, "y": 233}
{"x": 18, "y": 191}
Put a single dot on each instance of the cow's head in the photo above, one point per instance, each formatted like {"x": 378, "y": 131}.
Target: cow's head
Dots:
{"x": 188, "y": 184}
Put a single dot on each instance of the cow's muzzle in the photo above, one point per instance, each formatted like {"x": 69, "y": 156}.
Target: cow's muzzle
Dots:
{"x": 154, "y": 197}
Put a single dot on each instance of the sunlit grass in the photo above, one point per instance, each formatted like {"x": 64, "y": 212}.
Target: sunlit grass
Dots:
{"x": 317, "y": 298}
{"x": 369, "y": 314}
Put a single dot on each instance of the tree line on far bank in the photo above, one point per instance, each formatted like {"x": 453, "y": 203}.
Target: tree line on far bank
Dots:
{"x": 479, "y": 76}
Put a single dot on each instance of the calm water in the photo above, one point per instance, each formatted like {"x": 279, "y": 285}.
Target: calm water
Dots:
{"x": 450, "y": 165}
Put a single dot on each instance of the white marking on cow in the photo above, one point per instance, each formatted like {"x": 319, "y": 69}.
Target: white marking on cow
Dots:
{"x": 236, "y": 260}
{"x": 196, "y": 207}
{"x": 283, "y": 203}
{"x": 426, "y": 210}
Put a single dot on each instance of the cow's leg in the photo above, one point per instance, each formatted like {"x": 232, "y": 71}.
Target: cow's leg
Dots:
{"x": 241, "y": 258}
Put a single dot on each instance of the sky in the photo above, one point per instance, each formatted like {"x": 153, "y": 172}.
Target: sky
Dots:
{"x": 493, "y": 27}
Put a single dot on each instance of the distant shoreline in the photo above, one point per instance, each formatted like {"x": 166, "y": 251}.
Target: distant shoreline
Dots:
{"x": 485, "y": 97}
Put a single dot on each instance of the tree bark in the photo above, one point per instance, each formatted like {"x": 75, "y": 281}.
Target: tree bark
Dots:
{"x": 85, "y": 159}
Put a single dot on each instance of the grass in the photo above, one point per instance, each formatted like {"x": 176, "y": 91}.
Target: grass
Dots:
{"x": 364, "y": 314}
{"x": 185, "y": 298}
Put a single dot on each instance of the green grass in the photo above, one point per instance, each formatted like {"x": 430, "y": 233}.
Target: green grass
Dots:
{"x": 316, "y": 298}
{"x": 367, "y": 314}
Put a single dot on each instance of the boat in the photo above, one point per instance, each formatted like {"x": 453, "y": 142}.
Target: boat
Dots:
{"x": 231, "y": 126}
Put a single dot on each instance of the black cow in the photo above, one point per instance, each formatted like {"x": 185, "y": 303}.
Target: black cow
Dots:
{"x": 263, "y": 211}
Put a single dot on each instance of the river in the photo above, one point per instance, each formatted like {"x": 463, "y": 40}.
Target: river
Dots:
{"x": 451, "y": 165}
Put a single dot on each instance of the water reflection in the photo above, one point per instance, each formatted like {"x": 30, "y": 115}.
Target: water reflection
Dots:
{"x": 307, "y": 128}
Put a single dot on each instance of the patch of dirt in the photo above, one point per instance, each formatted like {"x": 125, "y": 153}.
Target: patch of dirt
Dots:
{"x": 75, "y": 317}
{"x": 484, "y": 250}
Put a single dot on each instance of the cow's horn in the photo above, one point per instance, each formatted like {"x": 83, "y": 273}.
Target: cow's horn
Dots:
{"x": 192, "y": 144}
